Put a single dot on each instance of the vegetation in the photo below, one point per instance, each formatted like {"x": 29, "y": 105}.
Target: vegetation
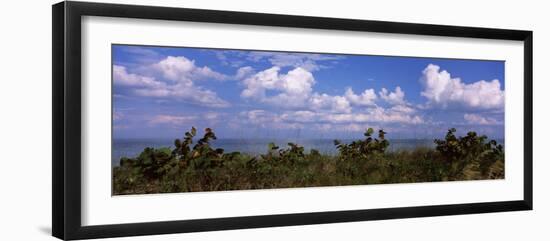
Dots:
{"x": 200, "y": 167}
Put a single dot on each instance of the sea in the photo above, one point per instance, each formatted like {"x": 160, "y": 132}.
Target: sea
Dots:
{"x": 132, "y": 147}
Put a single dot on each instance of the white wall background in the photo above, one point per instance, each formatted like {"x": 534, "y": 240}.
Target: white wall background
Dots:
{"x": 25, "y": 123}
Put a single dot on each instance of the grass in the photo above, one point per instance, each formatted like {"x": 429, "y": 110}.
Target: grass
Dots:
{"x": 200, "y": 167}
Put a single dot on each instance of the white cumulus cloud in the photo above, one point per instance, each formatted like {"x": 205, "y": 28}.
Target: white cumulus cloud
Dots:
{"x": 180, "y": 68}
{"x": 395, "y": 98}
{"x": 367, "y": 98}
{"x": 294, "y": 88}
{"x": 244, "y": 72}
{"x": 178, "y": 74}
{"x": 444, "y": 91}
{"x": 480, "y": 120}
{"x": 328, "y": 102}
{"x": 309, "y": 62}
{"x": 374, "y": 115}
{"x": 370, "y": 116}
{"x": 122, "y": 77}
{"x": 187, "y": 119}
{"x": 185, "y": 92}
{"x": 172, "y": 120}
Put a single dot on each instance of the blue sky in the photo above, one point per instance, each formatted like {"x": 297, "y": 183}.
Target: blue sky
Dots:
{"x": 160, "y": 92}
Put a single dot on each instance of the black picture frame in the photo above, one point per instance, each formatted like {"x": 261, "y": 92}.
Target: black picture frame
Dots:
{"x": 66, "y": 75}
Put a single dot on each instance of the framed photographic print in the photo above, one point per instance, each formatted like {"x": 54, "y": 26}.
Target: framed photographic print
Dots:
{"x": 170, "y": 120}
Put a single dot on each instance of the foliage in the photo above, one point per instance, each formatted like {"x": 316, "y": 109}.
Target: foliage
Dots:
{"x": 190, "y": 166}
{"x": 463, "y": 156}
{"x": 363, "y": 148}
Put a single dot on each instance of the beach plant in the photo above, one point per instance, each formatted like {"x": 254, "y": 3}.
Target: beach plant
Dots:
{"x": 196, "y": 165}
{"x": 363, "y": 148}
{"x": 292, "y": 154}
{"x": 463, "y": 155}
{"x": 272, "y": 152}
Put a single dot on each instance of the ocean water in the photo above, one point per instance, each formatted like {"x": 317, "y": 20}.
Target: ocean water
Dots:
{"x": 132, "y": 147}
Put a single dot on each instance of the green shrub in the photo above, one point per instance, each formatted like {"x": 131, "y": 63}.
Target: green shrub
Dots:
{"x": 190, "y": 166}
{"x": 470, "y": 156}
{"x": 363, "y": 148}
